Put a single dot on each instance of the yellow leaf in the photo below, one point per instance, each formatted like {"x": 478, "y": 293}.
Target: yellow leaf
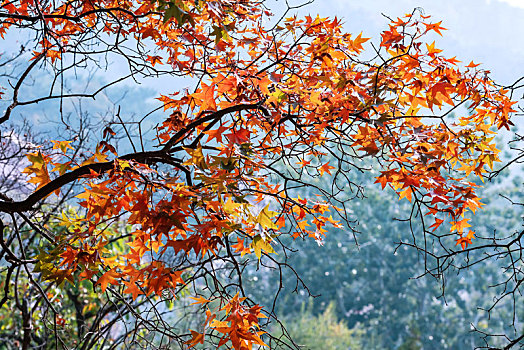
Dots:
{"x": 315, "y": 97}
{"x": 260, "y": 245}
{"x": 97, "y": 157}
{"x": 264, "y": 218}
{"x": 62, "y": 145}
{"x": 38, "y": 168}
{"x": 124, "y": 164}
{"x": 231, "y": 207}
{"x": 197, "y": 157}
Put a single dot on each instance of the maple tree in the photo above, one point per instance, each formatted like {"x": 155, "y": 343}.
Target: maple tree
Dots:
{"x": 218, "y": 188}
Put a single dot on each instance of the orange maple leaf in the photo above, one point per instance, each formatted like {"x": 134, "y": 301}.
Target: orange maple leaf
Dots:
{"x": 200, "y": 300}
{"x": 206, "y": 97}
{"x": 326, "y": 168}
{"x": 108, "y": 278}
{"x": 196, "y": 338}
{"x": 435, "y": 27}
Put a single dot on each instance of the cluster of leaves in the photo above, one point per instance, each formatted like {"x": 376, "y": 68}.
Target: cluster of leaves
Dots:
{"x": 212, "y": 191}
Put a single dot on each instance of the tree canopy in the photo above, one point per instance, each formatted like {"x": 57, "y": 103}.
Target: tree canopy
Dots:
{"x": 229, "y": 177}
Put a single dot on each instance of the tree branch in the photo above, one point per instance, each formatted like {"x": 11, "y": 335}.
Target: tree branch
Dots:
{"x": 44, "y": 191}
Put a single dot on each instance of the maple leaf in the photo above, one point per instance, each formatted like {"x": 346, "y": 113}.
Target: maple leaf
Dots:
{"x": 358, "y": 41}
{"x": 241, "y": 247}
{"x": 472, "y": 65}
{"x": 108, "y": 277}
{"x": 439, "y": 92}
{"x": 465, "y": 241}
{"x": 264, "y": 218}
{"x": 197, "y": 157}
{"x": 259, "y": 245}
{"x": 216, "y": 133}
{"x": 154, "y": 59}
{"x": 435, "y": 27}
{"x": 62, "y": 145}
{"x": 383, "y": 180}
{"x": 325, "y": 168}
{"x": 436, "y": 225}
{"x": 304, "y": 163}
{"x": 206, "y": 97}
{"x": 460, "y": 225}
{"x": 97, "y": 157}
{"x": 390, "y": 37}
{"x": 219, "y": 33}
{"x": 132, "y": 288}
{"x": 238, "y": 136}
{"x": 200, "y": 300}
{"x": 406, "y": 193}
{"x": 264, "y": 84}
{"x": 196, "y": 338}
{"x": 149, "y": 32}
{"x": 38, "y": 168}
{"x": 53, "y": 54}
{"x": 432, "y": 50}
{"x": 231, "y": 207}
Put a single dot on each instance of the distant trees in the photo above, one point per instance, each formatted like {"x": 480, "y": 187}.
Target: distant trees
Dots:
{"x": 379, "y": 288}
{"x": 323, "y": 331}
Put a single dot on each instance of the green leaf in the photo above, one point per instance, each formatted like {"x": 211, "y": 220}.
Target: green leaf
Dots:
{"x": 173, "y": 12}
